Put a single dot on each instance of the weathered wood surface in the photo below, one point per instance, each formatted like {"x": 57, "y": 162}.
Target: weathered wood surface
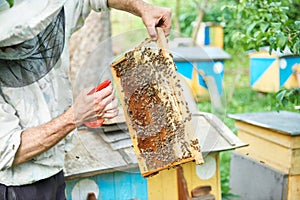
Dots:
{"x": 183, "y": 191}
{"x": 293, "y": 187}
{"x": 156, "y": 113}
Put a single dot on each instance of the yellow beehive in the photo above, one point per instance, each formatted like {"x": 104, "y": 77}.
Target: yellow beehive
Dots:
{"x": 274, "y": 141}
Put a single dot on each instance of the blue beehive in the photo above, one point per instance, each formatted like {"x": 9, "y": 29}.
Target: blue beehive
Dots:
{"x": 210, "y": 34}
{"x": 268, "y": 73}
{"x": 199, "y": 65}
{"x": 104, "y": 163}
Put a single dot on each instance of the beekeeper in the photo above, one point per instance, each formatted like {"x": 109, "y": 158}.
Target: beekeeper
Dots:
{"x": 37, "y": 113}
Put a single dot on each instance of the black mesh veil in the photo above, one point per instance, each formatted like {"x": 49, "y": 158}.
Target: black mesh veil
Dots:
{"x": 27, "y": 62}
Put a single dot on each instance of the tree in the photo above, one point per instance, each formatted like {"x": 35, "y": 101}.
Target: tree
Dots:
{"x": 252, "y": 24}
{"x": 257, "y": 23}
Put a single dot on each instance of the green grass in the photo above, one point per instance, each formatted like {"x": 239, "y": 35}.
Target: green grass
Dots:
{"x": 240, "y": 98}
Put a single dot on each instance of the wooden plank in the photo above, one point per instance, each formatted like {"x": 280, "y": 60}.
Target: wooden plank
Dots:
{"x": 163, "y": 186}
{"x": 115, "y": 127}
{"x": 293, "y": 188}
{"x": 194, "y": 181}
{"x": 169, "y": 184}
{"x": 269, "y": 134}
{"x": 123, "y": 186}
{"x": 115, "y": 136}
{"x": 295, "y": 163}
{"x": 140, "y": 186}
{"x": 106, "y": 185}
{"x": 161, "y": 39}
{"x": 91, "y": 155}
{"x": 267, "y": 152}
{"x": 155, "y": 187}
{"x": 183, "y": 191}
{"x": 121, "y": 144}
{"x": 156, "y": 113}
{"x": 252, "y": 180}
{"x": 288, "y": 147}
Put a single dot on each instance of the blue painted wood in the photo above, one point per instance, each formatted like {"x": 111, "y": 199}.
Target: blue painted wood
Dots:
{"x": 106, "y": 186}
{"x": 185, "y": 68}
{"x": 69, "y": 186}
{"x": 118, "y": 185}
{"x": 130, "y": 186}
{"x": 208, "y": 69}
{"x": 286, "y": 72}
{"x": 257, "y": 68}
{"x": 207, "y": 35}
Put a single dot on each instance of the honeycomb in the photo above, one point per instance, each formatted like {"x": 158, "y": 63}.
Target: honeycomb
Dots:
{"x": 158, "y": 117}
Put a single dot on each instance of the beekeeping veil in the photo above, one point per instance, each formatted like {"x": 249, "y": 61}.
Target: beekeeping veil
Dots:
{"x": 31, "y": 39}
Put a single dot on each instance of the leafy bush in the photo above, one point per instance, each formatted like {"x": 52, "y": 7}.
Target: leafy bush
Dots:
{"x": 286, "y": 97}
{"x": 255, "y": 23}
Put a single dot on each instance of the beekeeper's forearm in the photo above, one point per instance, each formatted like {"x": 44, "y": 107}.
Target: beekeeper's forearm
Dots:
{"x": 136, "y": 7}
{"x": 37, "y": 140}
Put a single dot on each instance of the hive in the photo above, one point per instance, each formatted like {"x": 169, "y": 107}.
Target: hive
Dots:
{"x": 156, "y": 113}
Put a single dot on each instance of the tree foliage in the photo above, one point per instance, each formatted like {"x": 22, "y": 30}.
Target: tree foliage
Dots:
{"x": 252, "y": 24}
{"x": 285, "y": 97}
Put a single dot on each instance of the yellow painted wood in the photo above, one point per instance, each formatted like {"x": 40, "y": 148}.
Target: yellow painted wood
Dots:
{"x": 200, "y": 93}
{"x": 262, "y": 54}
{"x": 280, "y": 138}
{"x": 193, "y": 180}
{"x": 163, "y": 186}
{"x": 279, "y": 150}
{"x": 269, "y": 81}
{"x": 266, "y": 152}
{"x": 217, "y": 36}
{"x": 291, "y": 82}
{"x": 276, "y": 149}
{"x": 295, "y": 163}
{"x": 293, "y": 188}
{"x": 296, "y": 70}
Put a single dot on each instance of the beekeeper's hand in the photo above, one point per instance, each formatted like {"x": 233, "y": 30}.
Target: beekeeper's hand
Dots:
{"x": 152, "y": 16}
{"x": 100, "y": 105}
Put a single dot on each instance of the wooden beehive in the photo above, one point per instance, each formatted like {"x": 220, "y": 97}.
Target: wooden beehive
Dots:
{"x": 274, "y": 151}
{"x": 269, "y": 73}
{"x": 156, "y": 113}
